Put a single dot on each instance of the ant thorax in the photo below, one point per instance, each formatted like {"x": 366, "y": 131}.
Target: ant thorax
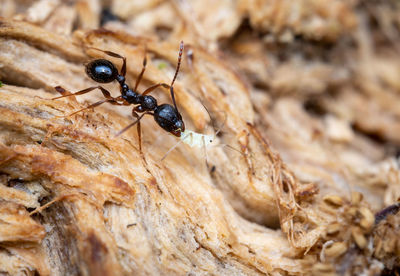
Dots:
{"x": 194, "y": 139}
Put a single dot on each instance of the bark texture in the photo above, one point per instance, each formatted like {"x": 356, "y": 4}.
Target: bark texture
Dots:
{"x": 305, "y": 95}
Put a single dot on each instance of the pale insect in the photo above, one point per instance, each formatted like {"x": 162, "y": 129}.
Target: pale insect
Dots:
{"x": 197, "y": 140}
{"x": 194, "y": 139}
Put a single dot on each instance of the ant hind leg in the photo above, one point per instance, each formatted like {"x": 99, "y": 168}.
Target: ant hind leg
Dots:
{"x": 64, "y": 93}
{"x": 111, "y": 101}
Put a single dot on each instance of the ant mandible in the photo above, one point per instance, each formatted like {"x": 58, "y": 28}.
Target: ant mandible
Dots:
{"x": 104, "y": 71}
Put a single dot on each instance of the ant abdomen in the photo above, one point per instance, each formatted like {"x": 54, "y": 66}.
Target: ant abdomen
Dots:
{"x": 101, "y": 70}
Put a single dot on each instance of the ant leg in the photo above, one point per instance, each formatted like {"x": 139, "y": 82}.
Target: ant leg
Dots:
{"x": 62, "y": 91}
{"x": 139, "y": 78}
{"x": 119, "y": 98}
{"x": 134, "y": 123}
{"x": 151, "y": 88}
{"x": 139, "y": 131}
{"x": 112, "y": 54}
{"x": 65, "y": 93}
{"x": 111, "y": 101}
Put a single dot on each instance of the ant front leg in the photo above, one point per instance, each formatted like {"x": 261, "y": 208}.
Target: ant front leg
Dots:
{"x": 139, "y": 78}
{"x": 152, "y": 88}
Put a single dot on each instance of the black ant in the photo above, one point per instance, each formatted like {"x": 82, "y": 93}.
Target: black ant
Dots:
{"x": 104, "y": 71}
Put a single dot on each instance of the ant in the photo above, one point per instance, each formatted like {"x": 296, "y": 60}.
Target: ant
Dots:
{"x": 104, "y": 71}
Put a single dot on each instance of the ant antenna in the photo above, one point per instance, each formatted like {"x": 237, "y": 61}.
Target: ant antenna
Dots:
{"x": 171, "y": 88}
{"x": 179, "y": 63}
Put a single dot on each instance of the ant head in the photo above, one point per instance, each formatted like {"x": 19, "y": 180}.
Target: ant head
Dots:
{"x": 101, "y": 70}
{"x": 169, "y": 119}
{"x": 179, "y": 127}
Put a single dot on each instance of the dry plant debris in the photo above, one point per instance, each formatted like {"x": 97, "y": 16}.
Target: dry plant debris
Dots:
{"x": 307, "y": 97}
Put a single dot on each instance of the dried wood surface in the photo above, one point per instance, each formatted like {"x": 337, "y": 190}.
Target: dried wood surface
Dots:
{"x": 307, "y": 97}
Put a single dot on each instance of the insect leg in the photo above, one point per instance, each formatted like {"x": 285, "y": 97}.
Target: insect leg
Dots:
{"x": 138, "y": 128}
{"x": 130, "y": 125}
{"x": 65, "y": 93}
{"x": 111, "y": 101}
{"x": 151, "y": 88}
{"x": 139, "y": 78}
{"x": 139, "y": 131}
